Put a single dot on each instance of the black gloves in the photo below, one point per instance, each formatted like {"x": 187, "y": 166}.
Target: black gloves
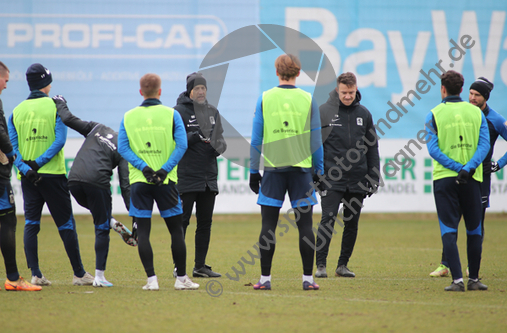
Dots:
{"x": 494, "y": 167}
{"x": 59, "y": 98}
{"x": 317, "y": 183}
{"x": 255, "y": 182}
{"x": 33, "y": 165}
{"x": 149, "y": 174}
{"x": 160, "y": 176}
{"x": 153, "y": 177}
{"x": 32, "y": 174}
{"x": 33, "y": 177}
{"x": 463, "y": 176}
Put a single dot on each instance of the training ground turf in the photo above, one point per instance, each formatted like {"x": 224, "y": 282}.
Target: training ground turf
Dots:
{"x": 392, "y": 291}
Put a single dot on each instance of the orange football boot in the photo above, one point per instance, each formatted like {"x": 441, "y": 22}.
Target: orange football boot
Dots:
{"x": 20, "y": 285}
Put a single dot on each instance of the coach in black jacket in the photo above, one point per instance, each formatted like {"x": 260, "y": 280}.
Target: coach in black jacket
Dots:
{"x": 90, "y": 182}
{"x": 351, "y": 168}
{"x": 198, "y": 169}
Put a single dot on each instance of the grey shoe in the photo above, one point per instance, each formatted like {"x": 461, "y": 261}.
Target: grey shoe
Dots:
{"x": 40, "y": 281}
{"x": 205, "y": 272}
{"x": 460, "y": 286}
{"x": 321, "y": 272}
{"x": 86, "y": 280}
{"x": 343, "y": 271}
{"x": 187, "y": 284}
{"x": 476, "y": 285}
{"x": 153, "y": 286}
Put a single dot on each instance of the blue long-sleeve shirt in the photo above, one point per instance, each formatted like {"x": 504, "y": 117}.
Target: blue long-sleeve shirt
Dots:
{"x": 258, "y": 136}
{"x": 179, "y": 134}
{"x": 448, "y": 163}
{"x": 499, "y": 128}
{"x": 56, "y": 146}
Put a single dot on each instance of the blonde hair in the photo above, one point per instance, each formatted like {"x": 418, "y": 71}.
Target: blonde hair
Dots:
{"x": 287, "y": 66}
{"x": 150, "y": 85}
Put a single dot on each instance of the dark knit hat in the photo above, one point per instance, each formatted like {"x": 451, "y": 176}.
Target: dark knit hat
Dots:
{"x": 193, "y": 80}
{"x": 38, "y": 77}
{"x": 483, "y": 86}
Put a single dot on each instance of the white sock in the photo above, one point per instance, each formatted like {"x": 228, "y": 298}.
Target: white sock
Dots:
{"x": 182, "y": 278}
{"x": 152, "y": 279}
{"x": 475, "y": 280}
{"x": 458, "y": 280}
{"x": 265, "y": 278}
{"x": 112, "y": 222}
{"x": 308, "y": 278}
{"x": 99, "y": 275}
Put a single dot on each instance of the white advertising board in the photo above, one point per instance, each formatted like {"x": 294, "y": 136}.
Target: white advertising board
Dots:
{"x": 408, "y": 189}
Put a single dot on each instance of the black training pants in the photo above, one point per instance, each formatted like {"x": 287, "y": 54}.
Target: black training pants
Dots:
{"x": 352, "y": 203}
{"x": 204, "y": 205}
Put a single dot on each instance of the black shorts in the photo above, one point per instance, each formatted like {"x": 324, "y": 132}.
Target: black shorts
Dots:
{"x": 142, "y": 196}
{"x": 453, "y": 201}
{"x": 297, "y": 184}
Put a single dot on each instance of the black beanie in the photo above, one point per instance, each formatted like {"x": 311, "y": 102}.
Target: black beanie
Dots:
{"x": 483, "y": 86}
{"x": 193, "y": 80}
{"x": 38, "y": 77}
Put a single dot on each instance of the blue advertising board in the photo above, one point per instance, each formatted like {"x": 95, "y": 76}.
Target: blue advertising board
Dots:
{"x": 387, "y": 44}
{"x": 98, "y": 50}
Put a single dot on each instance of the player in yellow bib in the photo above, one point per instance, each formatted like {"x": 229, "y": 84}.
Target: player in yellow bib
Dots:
{"x": 286, "y": 129}
{"x": 152, "y": 137}
{"x": 38, "y": 135}
{"x": 458, "y": 141}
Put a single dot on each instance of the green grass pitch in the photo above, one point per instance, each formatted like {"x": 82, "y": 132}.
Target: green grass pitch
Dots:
{"x": 392, "y": 292}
